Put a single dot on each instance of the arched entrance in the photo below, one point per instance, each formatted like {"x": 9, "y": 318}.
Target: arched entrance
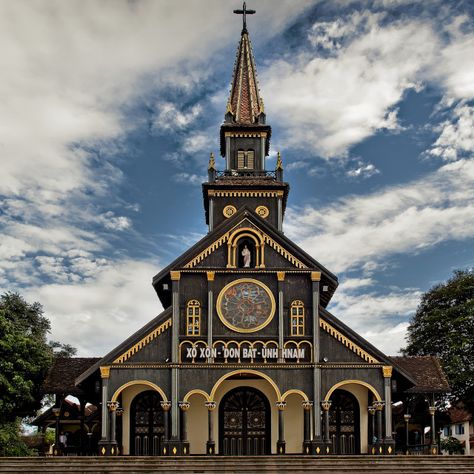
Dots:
{"x": 244, "y": 423}
{"x": 146, "y": 424}
{"x": 344, "y": 423}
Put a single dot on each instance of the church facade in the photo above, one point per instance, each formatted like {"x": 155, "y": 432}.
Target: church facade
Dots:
{"x": 245, "y": 359}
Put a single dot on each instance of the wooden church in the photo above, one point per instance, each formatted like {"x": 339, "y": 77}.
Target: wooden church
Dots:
{"x": 245, "y": 359}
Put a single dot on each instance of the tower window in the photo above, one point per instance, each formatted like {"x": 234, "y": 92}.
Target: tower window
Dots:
{"x": 193, "y": 318}
{"x": 297, "y": 318}
{"x": 245, "y": 160}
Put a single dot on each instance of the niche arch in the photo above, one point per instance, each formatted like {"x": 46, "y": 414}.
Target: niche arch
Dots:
{"x": 237, "y": 240}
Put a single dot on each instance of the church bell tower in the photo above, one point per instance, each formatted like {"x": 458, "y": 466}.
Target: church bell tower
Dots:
{"x": 245, "y": 146}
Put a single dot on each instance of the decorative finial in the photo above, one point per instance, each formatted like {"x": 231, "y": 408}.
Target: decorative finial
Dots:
{"x": 279, "y": 164}
{"x": 244, "y": 12}
{"x": 212, "y": 162}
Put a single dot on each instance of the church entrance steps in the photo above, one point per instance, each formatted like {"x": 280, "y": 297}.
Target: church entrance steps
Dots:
{"x": 257, "y": 464}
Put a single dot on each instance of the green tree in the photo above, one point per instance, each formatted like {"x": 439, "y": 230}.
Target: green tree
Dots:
{"x": 25, "y": 357}
{"x": 443, "y": 326}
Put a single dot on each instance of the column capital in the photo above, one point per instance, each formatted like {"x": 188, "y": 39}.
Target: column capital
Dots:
{"x": 105, "y": 371}
{"x": 307, "y": 405}
{"x": 166, "y": 405}
{"x": 119, "y": 411}
{"x": 280, "y": 405}
{"x": 315, "y": 276}
{"x": 431, "y": 410}
{"x": 56, "y": 412}
{"x": 210, "y": 276}
{"x": 326, "y": 405}
{"x": 378, "y": 405}
{"x": 281, "y": 276}
{"x": 112, "y": 406}
{"x": 210, "y": 405}
{"x": 407, "y": 417}
{"x": 371, "y": 410}
{"x": 387, "y": 371}
{"x": 175, "y": 275}
{"x": 184, "y": 406}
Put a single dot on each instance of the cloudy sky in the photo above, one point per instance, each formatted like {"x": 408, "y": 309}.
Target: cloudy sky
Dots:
{"x": 109, "y": 110}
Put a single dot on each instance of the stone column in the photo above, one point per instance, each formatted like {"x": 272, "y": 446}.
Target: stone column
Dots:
{"x": 407, "y": 417}
{"x": 119, "y": 413}
{"x": 281, "y": 324}
{"x": 166, "y": 406}
{"x": 326, "y": 405}
{"x": 112, "y": 407}
{"x": 105, "y": 374}
{"x": 210, "y": 310}
{"x": 210, "y": 445}
{"x": 315, "y": 280}
{"x": 387, "y": 374}
{"x": 184, "y": 432}
{"x": 227, "y": 151}
{"x": 57, "y": 427}
{"x": 307, "y": 427}
{"x": 379, "y": 408}
{"x": 433, "y": 444}
{"x": 262, "y": 147}
{"x": 371, "y": 411}
{"x": 281, "y": 428}
{"x": 175, "y": 278}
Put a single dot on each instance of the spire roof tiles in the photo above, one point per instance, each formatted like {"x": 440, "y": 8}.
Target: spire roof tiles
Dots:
{"x": 245, "y": 103}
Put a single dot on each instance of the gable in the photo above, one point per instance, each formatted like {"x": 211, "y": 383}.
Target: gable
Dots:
{"x": 216, "y": 254}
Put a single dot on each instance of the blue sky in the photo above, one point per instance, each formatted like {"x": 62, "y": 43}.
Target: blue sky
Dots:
{"x": 110, "y": 109}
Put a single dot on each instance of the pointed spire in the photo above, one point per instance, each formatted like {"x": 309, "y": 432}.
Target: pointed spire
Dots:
{"x": 245, "y": 104}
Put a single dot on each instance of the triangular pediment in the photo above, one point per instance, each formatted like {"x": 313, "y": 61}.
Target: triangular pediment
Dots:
{"x": 245, "y": 225}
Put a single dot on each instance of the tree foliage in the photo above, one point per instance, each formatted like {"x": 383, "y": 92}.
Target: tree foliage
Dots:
{"x": 25, "y": 356}
{"x": 443, "y": 326}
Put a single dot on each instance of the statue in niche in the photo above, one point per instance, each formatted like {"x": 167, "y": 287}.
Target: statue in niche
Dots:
{"x": 247, "y": 256}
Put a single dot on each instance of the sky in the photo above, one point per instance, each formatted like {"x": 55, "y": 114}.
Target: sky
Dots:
{"x": 109, "y": 110}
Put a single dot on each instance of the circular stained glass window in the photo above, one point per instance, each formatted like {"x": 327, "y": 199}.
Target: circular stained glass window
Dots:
{"x": 245, "y": 305}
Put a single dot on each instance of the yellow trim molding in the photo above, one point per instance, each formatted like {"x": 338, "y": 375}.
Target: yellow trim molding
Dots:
{"x": 105, "y": 371}
{"x": 315, "y": 276}
{"x": 229, "y": 211}
{"x": 196, "y": 391}
{"x": 245, "y": 372}
{"x": 236, "y": 282}
{"x": 298, "y": 392}
{"x": 249, "y": 193}
{"x": 211, "y": 276}
{"x": 357, "y": 382}
{"x": 175, "y": 275}
{"x": 347, "y": 342}
{"x": 139, "y": 382}
{"x": 281, "y": 276}
{"x": 387, "y": 371}
{"x": 143, "y": 342}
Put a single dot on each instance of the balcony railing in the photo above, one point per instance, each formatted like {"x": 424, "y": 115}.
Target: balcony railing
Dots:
{"x": 246, "y": 174}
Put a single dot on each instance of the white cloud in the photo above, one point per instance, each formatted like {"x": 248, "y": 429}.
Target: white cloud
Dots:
{"x": 457, "y": 135}
{"x": 189, "y": 178}
{"x": 171, "y": 118}
{"x": 335, "y": 101}
{"x": 380, "y": 317}
{"x": 356, "y": 231}
{"x": 97, "y": 314}
{"x": 363, "y": 170}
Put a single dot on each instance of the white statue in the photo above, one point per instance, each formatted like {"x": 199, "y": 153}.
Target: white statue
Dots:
{"x": 246, "y": 255}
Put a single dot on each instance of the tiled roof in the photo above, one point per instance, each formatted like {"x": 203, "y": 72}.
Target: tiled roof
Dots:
{"x": 426, "y": 371}
{"x": 244, "y": 101}
{"x": 458, "y": 414}
{"x": 65, "y": 370}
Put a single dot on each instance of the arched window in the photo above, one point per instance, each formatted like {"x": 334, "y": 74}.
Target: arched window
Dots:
{"x": 297, "y": 318}
{"x": 245, "y": 160}
{"x": 193, "y": 318}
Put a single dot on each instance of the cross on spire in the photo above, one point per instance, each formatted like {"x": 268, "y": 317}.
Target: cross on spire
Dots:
{"x": 244, "y": 12}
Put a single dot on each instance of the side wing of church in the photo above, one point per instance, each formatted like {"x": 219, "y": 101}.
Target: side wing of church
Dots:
{"x": 245, "y": 359}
